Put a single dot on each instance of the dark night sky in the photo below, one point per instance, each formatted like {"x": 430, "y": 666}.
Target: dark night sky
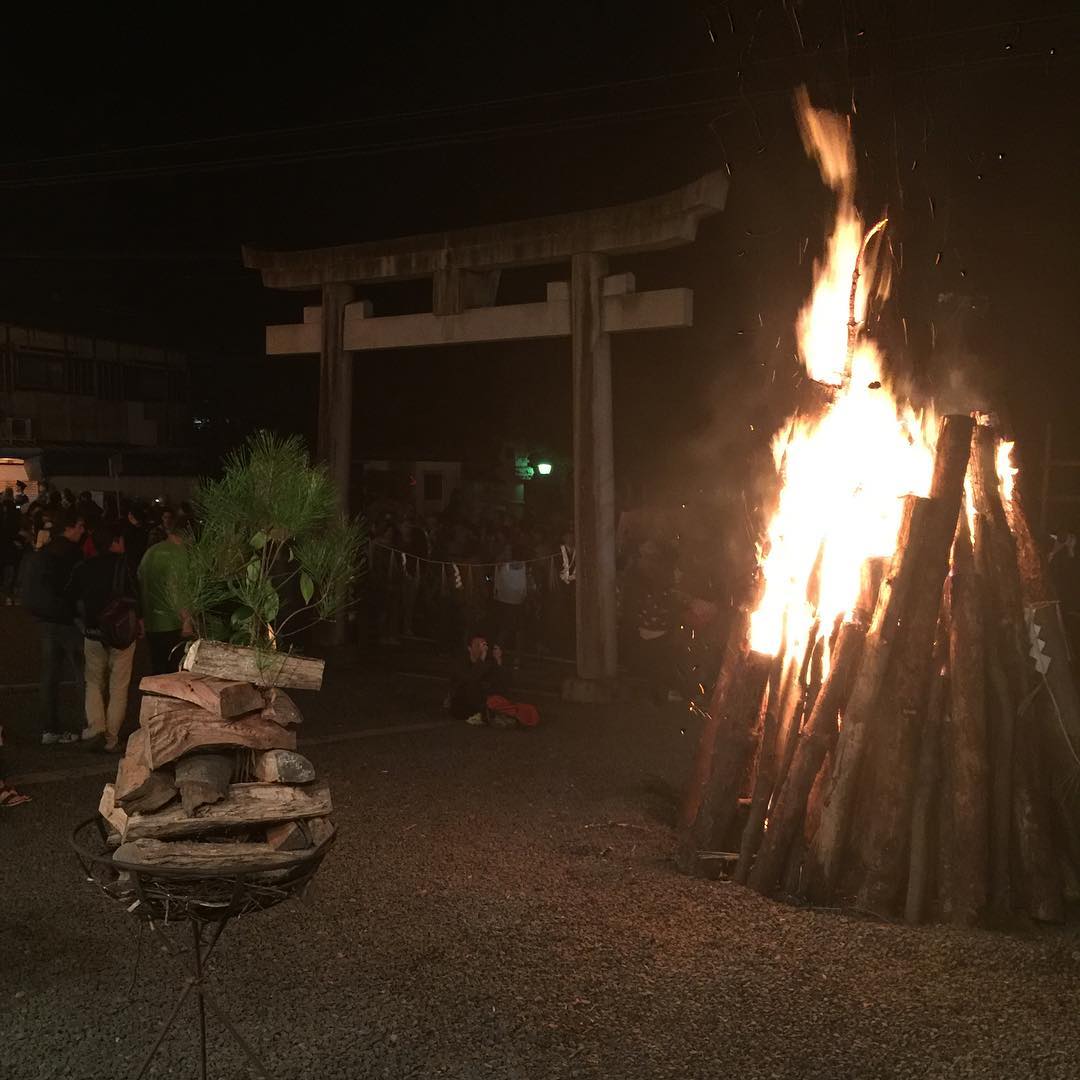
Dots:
{"x": 967, "y": 133}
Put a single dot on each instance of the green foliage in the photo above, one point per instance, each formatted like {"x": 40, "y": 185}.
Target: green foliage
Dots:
{"x": 272, "y": 553}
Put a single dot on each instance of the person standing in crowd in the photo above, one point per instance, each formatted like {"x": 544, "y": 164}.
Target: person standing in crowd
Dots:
{"x": 21, "y": 498}
{"x": 10, "y": 545}
{"x": 135, "y": 535}
{"x": 511, "y": 588}
{"x": 413, "y": 549}
{"x": 105, "y": 596}
{"x": 46, "y": 598}
{"x": 166, "y": 625}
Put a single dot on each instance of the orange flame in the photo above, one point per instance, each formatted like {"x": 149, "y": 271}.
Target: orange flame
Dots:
{"x": 844, "y": 471}
{"x": 1006, "y": 470}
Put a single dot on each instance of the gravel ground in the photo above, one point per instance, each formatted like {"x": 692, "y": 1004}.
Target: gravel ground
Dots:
{"x": 502, "y": 904}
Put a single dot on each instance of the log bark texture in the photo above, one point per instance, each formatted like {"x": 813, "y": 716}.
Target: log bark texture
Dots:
{"x": 698, "y": 783}
{"x": 203, "y": 779}
{"x": 182, "y": 729}
{"x": 898, "y": 720}
{"x": 282, "y": 767}
{"x": 814, "y": 742}
{"x": 202, "y": 855}
{"x": 966, "y": 745}
{"x": 245, "y": 804}
{"x": 139, "y": 788}
{"x": 282, "y": 709}
{"x": 734, "y": 748}
{"x": 829, "y": 843}
{"x": 235, "y": 662}
{"x": 222, "y": 697}
{"x": 287, "y": 836}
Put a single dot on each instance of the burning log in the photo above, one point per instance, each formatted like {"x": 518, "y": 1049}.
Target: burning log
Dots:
{"x": 965, "y": 748}
{"x": 734, "y": 652}
{"x": 814, "y": 742}
{"x": 898, "y": 719}
{"x": 928, "y": 793}
{"x": 735, "y": 746}
{"x": 830, "y": 840}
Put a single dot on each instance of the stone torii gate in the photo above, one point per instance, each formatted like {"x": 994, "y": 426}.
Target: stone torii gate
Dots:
{"x": 464, "y": 267}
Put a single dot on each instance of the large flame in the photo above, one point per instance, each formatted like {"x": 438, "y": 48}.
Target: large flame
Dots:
{"x": 845, "y": 469}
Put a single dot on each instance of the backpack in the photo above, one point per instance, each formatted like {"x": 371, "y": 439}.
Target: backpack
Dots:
{"x": 118, "y": 623}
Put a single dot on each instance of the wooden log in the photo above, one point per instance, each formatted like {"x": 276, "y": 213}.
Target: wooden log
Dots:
{"x": 697, "y": 785}
{"x": 928, "y": 795}
{"x": 766, "y": 773}
{"x": 222, "y": 697}
{"x": 282, "y": 709}
{"x": 898, "y": 720}
{"x": 287, "y": 836}
{"x": 202, "y": 855}
{"x": 965, "y": 745}
{"x": 1057, "y": 706}
{"x": 182, "y": 729}
{"x": 142, "y": 789}
{"x": 245, "y": 804}
{"x": 1041, "y": 874}
{"x": 734, "y": 748}
{"x": 114, "y": 815}
{"x": 814, "y": 742}
{"x": 263, "y": 668}
{"x": 1001, "y": 714}
{"x": 135, "y": 750}
{"x": 282, "y": 767}
{"x": 1035, "y": 580}
{"x": 319, "y": 830}
{"x": 203, "y": 779}
{"x": 825, "y": 851}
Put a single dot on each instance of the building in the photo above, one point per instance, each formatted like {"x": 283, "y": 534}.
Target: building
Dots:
{"x": 93, "y": 414}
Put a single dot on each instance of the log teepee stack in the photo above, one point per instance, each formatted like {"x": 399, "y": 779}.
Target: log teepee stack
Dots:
{"x": 932, "y": 772}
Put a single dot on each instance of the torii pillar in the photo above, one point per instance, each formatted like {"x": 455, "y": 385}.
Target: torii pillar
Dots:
{"x": 464, "y": 267}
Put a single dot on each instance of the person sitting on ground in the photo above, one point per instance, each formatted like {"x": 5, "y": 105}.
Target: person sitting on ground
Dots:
{"x": 477, "y": 674}
{"x": 8, "y": 795}
{"x": 105, "y": 596}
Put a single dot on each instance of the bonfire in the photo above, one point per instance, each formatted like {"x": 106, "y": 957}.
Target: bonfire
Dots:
{"x": 895, "y": 723}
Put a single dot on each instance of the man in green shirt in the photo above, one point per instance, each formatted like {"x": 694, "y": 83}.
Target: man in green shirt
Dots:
{"x": 166, "y": 625}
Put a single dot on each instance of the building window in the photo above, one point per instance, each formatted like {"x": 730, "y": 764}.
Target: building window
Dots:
{"x": 433, "y": 487}
{"x": 39, "y": 371}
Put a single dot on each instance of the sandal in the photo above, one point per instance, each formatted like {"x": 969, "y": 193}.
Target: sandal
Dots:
{"x": 10, "y": 797}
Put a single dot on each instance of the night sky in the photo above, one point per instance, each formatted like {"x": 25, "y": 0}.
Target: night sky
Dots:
{"x": 140, "y": 153}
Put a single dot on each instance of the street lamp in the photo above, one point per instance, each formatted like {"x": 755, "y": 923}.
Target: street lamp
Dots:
{"x": 543, "y": 468}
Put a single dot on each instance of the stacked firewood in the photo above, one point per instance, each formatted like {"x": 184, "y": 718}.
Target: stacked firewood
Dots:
{"x": 212, "y": 776}
{"x": 931, "y": 771}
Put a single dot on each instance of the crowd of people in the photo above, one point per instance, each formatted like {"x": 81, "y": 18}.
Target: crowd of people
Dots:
{"x": 95, "y": 578}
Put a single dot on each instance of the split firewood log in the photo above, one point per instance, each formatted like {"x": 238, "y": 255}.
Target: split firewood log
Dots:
{"x": 201, "y": 855}
{"x": 245, "y": 804}
{"x": 203, "y": 779}
{"x": 282, "y": 766}
{"x": 281, "y": 708}
{"x": 235, "y": 662}
{"x": 142, "y": 789}
{"x": 223, "y": 697}
{"x": 174, "y": 729}
{"x": 287, "y": 836}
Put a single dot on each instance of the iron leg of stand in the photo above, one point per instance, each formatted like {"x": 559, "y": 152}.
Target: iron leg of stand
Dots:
{"x": 196, "y": 933}
{"x": 228, "y": 1024}
{"x": 188, "y": 987}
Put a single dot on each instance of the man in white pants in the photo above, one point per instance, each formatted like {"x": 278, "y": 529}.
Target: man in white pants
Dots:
{"x": 105, "y": 595}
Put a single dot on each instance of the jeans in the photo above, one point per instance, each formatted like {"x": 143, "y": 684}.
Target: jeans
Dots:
{"x": 107, "y": 668}
{"x": 59, "y": 644}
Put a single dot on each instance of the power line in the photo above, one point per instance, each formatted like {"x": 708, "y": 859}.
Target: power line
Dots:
{"x": 450, "y": 110}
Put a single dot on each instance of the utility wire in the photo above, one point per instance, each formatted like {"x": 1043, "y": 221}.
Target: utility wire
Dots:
{"x": 449, "y": 110}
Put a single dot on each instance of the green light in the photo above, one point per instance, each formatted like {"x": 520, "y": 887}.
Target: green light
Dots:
{"x": 543, "y": 468}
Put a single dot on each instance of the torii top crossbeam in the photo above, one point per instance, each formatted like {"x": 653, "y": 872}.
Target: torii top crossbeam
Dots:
{"x": 464, "y": 266}
{"x": 655, "y": 224}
